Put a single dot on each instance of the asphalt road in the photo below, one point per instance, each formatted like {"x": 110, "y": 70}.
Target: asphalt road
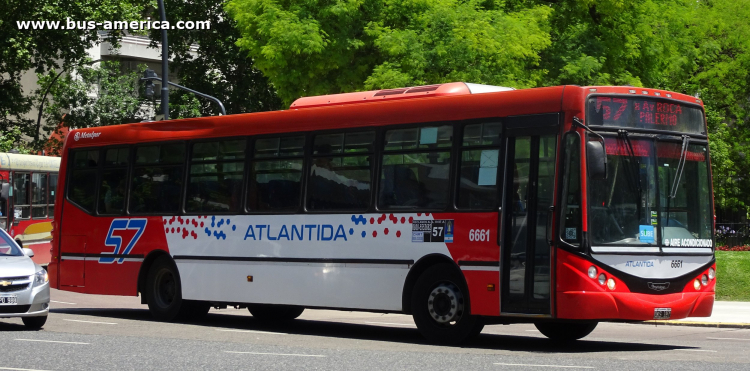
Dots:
{"x": 105, "y": 333}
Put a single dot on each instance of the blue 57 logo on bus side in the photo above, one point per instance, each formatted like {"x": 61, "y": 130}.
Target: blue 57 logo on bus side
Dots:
{"x": 139, "y": 225}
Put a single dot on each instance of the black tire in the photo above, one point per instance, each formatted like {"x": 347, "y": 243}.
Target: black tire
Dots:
{"x": 34, "y": 323}
{"x": 164, "y": 294}
{"x": 564, "y": 332}
{"x": 275, "y": 312}
{"x": 440, "y": 306}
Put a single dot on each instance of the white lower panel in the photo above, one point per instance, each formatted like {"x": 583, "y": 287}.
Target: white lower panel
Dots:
{"x": 651, "y": 266}
{"x": 335, "y": 285}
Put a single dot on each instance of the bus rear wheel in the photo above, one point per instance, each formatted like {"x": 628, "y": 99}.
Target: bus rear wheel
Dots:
{"x": 562, "y": 331}
{"x": 164, "y": 294}
{"x": 275, "y": 312}
{"x": 440, "y": 306}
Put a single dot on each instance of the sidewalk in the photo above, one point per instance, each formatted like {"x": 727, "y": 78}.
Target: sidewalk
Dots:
{"x": 726, "y": 314}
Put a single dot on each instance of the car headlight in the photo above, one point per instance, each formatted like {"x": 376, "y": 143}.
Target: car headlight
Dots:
{"x": 40, "y": 278}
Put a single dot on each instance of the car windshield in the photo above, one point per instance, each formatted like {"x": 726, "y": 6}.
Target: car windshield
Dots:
{"x": 624, "y": 209}
{"x": 8, "y": 247}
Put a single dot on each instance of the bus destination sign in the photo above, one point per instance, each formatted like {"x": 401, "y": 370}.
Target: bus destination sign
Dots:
{"x": 645, "y": 113}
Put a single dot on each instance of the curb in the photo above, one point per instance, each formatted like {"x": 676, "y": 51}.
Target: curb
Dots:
{"x": 699, "y": 324}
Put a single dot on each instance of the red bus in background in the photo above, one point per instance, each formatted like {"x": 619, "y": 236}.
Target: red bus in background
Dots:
{"x": 27, "y": 200}
{"x": 460, "y": 204}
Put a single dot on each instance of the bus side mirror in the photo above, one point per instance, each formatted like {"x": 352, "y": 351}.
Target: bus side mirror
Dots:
{"x": 596, "y": 160}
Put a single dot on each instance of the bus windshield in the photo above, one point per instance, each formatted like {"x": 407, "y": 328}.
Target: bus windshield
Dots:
{"x": 649, "y": 198}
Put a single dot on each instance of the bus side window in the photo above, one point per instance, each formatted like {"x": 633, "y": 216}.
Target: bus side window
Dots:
{"x": 571, "y": 229}
{"x": 51, "y": 196}
{"x": 39, "y": 195}
{"x": 81, "y": 188}
{"x": 215, "y": 179}
{"x": 276, "y": 174}
{"x": 339, "y": 177}
{"x": 480, "y": 156}
{"x": 114, "y": 182}
{"x": 416, "y": 168}
{"x": 157, "y": 179}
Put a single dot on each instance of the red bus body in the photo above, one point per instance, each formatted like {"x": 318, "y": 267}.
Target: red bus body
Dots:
{"x": 79, "y": 236}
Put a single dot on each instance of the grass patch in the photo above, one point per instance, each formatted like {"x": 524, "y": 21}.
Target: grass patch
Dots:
{"x": 733, "y": 275}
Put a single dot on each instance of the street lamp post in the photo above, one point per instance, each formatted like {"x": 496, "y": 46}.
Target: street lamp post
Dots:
{"x": 150, "y": 75}
{"x": 164, "y": 63}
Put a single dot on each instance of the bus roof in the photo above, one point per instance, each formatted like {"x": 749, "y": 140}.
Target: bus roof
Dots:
{"x": 422, "y": 109}
{"x": 14, "y": 161}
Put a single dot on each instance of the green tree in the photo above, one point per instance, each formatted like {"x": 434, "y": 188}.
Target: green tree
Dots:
{"x": 94, "y": 96}
{"x": 323, "y": 47}
{"x": 217, "y": 67}
{"x": 43, "y": 49}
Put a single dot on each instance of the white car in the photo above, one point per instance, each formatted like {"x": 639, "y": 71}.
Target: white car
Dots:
{"x": 24, "y": 285}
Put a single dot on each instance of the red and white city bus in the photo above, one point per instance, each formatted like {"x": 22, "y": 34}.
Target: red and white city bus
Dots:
{"x": 460, "y": 204}
{"x": 27, "y": 200}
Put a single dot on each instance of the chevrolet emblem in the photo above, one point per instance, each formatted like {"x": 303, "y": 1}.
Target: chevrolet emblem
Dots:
{"x": 5, "y": 283}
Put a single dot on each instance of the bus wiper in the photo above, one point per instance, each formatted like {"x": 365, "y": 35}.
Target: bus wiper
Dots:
{"x": 680, "y": 166}
{"x": 678, "y": 175}
{"x": 635, "y": 164}
{"x": 635, "y": 167}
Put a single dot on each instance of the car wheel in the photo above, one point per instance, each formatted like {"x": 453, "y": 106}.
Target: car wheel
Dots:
{"x": 34, "y": 323}
{"x": 275, "y": 312}
{"x": 440, "y": 306}
{"x": 562, "y": 332}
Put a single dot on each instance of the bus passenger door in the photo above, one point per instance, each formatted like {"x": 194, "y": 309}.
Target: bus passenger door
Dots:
{"x": 529, "y": 190}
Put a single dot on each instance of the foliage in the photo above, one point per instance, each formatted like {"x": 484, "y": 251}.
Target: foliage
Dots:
{"x": 322, "y": 47}
{"x": 11, "y": 139}
{"x": 217, "y": 68}
{"x": 94, "y": 96}
{"x": 44, "y": 50}
{"x": 732, "y": 275}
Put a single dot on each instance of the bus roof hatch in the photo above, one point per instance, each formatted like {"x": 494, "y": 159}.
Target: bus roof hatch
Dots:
{"x": 453, "y": 88}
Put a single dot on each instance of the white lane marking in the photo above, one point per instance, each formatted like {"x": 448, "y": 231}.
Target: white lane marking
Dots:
{"x": 252, "y": 331}
{"x": 53, "y": 341}
{"x": 529, "y": 365}
{"x": 391, "y": 323}
{"x": 99, "y": 323}
{"x": 728, "y": 339}
{"x": 19, "y": 369}
{"x": 697, "y": 350}
{"x": 275, "y": 354}
{"x": 61, "y": 302}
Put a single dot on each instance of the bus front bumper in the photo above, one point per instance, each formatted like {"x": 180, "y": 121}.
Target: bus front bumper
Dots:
{"x": 632, "y": 306}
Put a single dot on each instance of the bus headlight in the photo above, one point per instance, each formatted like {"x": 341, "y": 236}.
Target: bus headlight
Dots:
{"x": 40, "y": 278}
{"x": 592, "y": 272}
{"x": 602, "y": 279}
{"x": 711, "y": 273}
{"x": 611, "y": 284}
{"x": 704, "y": 280}
{"x": 697, "y": 284}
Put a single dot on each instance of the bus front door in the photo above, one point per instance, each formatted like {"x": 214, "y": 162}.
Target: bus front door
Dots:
{"x": 528, "y": 198}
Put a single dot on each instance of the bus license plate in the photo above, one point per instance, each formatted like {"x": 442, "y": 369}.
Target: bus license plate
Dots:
{"x": 662, "y": 313}
{"x": 9, "y": 300}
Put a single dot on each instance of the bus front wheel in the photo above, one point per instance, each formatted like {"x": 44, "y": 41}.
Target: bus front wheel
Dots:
{"x": 164, "y": 294}
{"x": 440, "y": 306}
{"x": 562, "y": 331}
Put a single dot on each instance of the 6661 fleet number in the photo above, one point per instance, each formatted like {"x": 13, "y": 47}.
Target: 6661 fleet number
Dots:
{"x": 480, "y": 235}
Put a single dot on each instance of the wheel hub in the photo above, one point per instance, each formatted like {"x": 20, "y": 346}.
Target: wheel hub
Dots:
{"x": 445, "y": 303}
